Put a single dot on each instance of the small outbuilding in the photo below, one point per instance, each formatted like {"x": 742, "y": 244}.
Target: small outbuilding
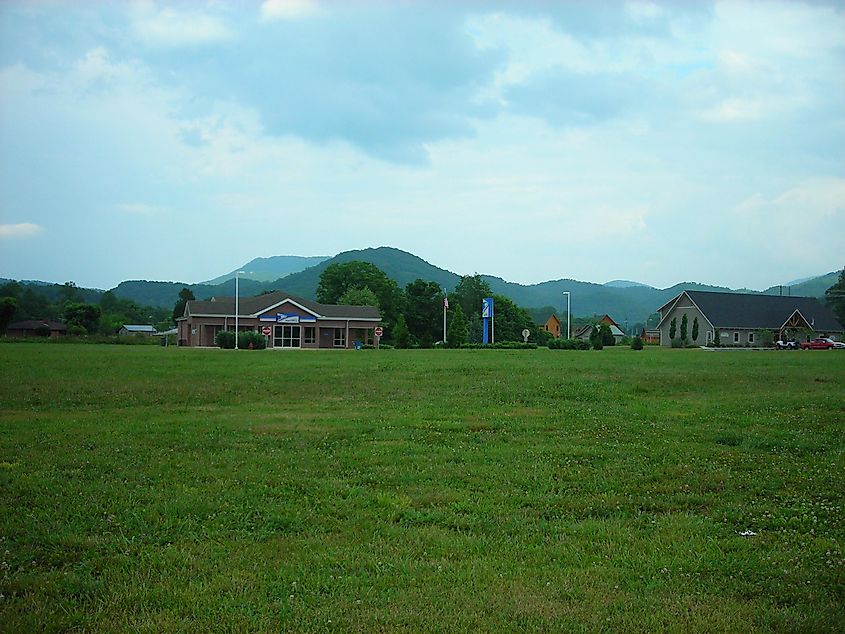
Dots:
{"x": 36, "y": 328}
{"x": 137, "y": 329}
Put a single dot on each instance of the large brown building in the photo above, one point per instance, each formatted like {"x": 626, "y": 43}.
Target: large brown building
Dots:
{"x": 286, "y": 320}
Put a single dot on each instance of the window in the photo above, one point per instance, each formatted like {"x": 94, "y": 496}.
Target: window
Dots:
{"x": 310, "y": 335}
{"x": 736, "y": 337}
{"x": 750, "y": 337}
{"x": 286, "y": 337}
{"x": 339, "y": 338}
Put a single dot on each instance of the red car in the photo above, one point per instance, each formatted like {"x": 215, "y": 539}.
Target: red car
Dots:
{"x": 819, "y": 343}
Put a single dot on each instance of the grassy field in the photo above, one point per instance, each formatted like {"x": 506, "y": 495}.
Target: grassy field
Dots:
{"x": 148, "y": 489}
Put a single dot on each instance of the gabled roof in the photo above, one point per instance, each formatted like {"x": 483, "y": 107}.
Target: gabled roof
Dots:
{"x": 607, "y": 319}
{"x": 549, "y": 318}
{"x": 743, "y": 310}
{"x": 254, "y": 306}
{"x": 138, "y": 328}
{"x": 32, "y": 324}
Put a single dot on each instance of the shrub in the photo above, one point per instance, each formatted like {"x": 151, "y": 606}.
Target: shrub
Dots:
{"x": 568, "y": 344}
{"x": 225, "y": 339}
{"x": 677, "y": 343}
{"x": 500, "y": 345}
{"x": 637, "y": 344}
{"x": 76, "y": 330}
{"x": 251, "y": 340}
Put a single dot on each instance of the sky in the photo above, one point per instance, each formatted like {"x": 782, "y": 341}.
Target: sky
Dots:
{"x": 652, "y": 141}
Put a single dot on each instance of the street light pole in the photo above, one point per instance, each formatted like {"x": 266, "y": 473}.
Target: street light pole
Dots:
{"x": 237, "y": 307}
{"x": 568, "y": 329}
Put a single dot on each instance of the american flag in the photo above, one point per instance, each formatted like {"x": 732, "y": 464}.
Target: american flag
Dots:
{"x": 445, "y": 302}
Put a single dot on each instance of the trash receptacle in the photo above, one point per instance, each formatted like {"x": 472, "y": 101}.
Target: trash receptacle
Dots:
{"x": 358, "y": 345}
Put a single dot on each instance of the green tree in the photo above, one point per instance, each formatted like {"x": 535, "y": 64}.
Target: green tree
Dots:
{"x": 358, "y": 296}
{"x": 673, "y": 328}
{"x": 469, "y": 292}
{"x": 401, "y": 335}
{"x": 456, "y": 333}
{"x": 8, "y": 307}
{"x": 185, "y": 295}
{"x": 340, "y": 277}
{"x": 510, "y": 320}
{"x": 82, "y": 317}
{"x": 595, "y": 338}
{"x": 69, "y": 293}
{"x": 607, "y": 338}
{"x": 695, "y": 329}
{"x": 637, "y": 343}
{"x": 424, "y": 311}
{"x": 684, "y": 327}
{"x": 835, "y": 297}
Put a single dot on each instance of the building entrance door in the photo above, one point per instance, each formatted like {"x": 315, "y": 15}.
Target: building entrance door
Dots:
{"x": 287, "y": 336}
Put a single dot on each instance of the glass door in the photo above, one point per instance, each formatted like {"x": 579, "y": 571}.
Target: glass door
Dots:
{"x": 287, "y": 336}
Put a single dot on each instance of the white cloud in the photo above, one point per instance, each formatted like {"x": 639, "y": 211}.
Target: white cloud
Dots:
{"x": 21, "y": 230}
{"x": 140, "y": 209}
{"x": 172, "y": 28}
{"x": 287, "y": 9}
{"x": 734, "y": 109}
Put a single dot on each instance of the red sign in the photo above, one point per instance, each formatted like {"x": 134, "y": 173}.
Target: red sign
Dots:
{"x": 266, "y": 331}
{"x": 378, "y": 331}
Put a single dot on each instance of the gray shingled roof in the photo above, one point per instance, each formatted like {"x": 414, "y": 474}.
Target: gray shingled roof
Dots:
{"x": 739, "y": 310}
{"x": 260, "y": 303}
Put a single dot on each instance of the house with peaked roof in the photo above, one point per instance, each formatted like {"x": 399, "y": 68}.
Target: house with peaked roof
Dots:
{"x": 584, "y": 332}
{"x": 551, "y": 325}
{"x": 740, "y": 318}
{"x": 288, "y": 321}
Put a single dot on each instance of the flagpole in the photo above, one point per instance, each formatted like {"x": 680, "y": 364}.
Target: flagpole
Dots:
{"x": 445, "y": 305}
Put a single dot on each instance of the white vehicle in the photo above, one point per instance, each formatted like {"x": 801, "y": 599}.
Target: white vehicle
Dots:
{"x": 787, "y": 345}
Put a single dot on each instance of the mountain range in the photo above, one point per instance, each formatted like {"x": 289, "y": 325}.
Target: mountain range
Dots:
{"x": 625, "y": 300}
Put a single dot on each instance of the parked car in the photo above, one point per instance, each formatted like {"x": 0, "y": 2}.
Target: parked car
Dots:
{"x": 819, "y": 343}
{"x": 839, "y": 345}
{"x": 787, "y": 345}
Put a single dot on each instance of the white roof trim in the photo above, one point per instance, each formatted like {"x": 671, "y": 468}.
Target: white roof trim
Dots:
{"x": 792, "y": 314}
{"x": 287, "y": 300}
{"x": 673, "y": 302}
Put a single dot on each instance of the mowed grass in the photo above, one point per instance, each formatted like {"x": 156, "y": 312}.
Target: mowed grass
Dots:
{"x": 148, "y": 489}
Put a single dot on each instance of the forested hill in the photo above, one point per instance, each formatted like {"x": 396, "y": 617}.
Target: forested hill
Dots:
{"x": 624, "y": 301}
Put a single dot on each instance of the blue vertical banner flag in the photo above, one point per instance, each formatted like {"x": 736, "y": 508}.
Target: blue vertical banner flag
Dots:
{"x": 487, "y": 320}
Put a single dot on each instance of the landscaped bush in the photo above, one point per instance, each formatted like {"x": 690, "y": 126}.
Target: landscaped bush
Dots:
{"x": 225, "y": 339}
{"x": 251, "y": 340}
{"x": 677, "y": 343}
{"x": 500, "y": 345}
{"x": 637, "y": 344}
{"x": 568, "y": 344}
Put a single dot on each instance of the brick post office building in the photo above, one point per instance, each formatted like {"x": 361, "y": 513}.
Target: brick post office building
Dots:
{"x": 288, "y": 321}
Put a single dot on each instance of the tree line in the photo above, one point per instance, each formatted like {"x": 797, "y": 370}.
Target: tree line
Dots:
{"x": 83, "y": 311}
{"x": 413, "y": 316}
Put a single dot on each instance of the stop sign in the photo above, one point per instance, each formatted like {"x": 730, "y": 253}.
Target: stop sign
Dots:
{"x": 378, "y": 331}
{"x": 266, "y": 331}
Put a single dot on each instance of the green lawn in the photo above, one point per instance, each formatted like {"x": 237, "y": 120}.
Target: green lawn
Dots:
{"x": 148, "y": 489}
